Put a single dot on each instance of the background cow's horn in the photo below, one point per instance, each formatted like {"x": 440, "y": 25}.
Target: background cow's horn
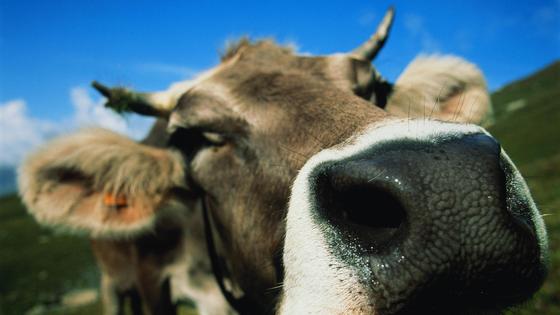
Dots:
{"x": 369, "y": 49}
{"x": 124, "y": 100}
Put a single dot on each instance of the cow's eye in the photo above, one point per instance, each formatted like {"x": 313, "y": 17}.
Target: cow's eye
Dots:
{"x": 191, "y": 140}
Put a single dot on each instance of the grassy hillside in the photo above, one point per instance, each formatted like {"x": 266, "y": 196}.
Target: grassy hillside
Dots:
{"x": 528, "y": 114}
{"x": 38, "y": 266}
{"x": 528, "y": 127}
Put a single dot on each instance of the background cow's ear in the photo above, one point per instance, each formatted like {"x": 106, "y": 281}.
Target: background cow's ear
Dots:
{"x": 99, "y": 183}
{"x": 442, "y": 87}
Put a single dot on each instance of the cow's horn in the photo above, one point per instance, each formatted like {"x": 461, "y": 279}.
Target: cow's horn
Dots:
{"x": 123, "y": 100}
{"x": 369, "y": 49}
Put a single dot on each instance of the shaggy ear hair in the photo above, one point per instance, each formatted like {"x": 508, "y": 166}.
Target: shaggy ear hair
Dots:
{"x": 442, "y": 87}
{"x": 99, "y": 182}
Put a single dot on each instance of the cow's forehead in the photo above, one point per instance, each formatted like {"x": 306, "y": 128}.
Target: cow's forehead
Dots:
{"x": 249, "y": 59}
{"x": 241, "y": 60}
{"x": 248, "y": 70}
{"x": 256, "y": 52}
{"x": 266, "y": 85}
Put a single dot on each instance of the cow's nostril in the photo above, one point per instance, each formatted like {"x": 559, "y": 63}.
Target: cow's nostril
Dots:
{"x": 364, "y": 205}
{"x": 371, "y": 207}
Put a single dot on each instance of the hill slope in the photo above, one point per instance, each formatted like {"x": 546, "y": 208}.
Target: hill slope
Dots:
{"x": 528, "y": 115}
{"x": 528, "y": 127}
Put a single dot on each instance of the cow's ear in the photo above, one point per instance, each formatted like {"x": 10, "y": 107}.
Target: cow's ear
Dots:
{"x": 369, "y": 84}
{"x": 441, "y": 87}
{"x": 99, "y": 183}
{"x": 358, "y": 75}
{"x": 366, "y": 82}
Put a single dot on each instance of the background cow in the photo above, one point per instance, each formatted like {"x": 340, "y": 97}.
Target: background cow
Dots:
{"x": 163, "y": 266}
{"x": 158, "y": 266}
{"x": 249, "y": 125}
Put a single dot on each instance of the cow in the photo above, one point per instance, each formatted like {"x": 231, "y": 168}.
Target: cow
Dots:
{"x": 160, "y": 268}
{"x": 323, "y": 188}
{"x": 157, "y": 268}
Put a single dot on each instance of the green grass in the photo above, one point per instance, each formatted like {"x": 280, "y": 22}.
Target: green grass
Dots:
{"x": 531, "y": 136}
{"x": 544, "y": 181}
{"x": 538, "y": 89}
{"x": 530, "y": 133}
{"x": 38, "y": 266}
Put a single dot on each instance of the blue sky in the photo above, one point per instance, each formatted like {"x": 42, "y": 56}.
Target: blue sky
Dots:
{"x": 51, "y": 50}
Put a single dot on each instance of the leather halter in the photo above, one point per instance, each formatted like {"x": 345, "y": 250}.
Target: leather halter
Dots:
{"x": 242, "y": 304}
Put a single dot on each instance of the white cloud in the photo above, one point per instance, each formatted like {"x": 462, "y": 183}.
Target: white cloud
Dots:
{"x": 20, "y": 133}
{"x": 88, "y": 112}
{"x": 414, "y": 24}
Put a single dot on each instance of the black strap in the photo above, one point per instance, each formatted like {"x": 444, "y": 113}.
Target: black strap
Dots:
{"x": 241, "y": 305}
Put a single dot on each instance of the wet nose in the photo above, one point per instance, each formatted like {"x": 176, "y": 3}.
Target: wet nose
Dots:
{"x": 435, "y": 215}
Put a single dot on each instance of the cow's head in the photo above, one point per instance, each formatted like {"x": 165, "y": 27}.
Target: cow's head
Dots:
{"x": 372, "y": 210}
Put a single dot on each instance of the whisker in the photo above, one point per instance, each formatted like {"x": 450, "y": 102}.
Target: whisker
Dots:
{"x": 276, "y": 287}
{"x": 436, "y": 103}
{"x": 461, "y": 102}
{"x": 423, "y": 108}
{"x": 471, "y": 111}
{"x": 317, "y": 140}
{"x": 376, "y": 176}
{"x": 305, "y": 158}
{"x": 408, "y": 119}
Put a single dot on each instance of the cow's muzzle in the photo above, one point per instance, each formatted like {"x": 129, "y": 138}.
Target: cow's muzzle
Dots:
{"x": 431, "y": 226}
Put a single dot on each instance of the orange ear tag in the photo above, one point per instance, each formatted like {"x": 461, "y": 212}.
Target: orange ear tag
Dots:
{"x": 117, "y": 201}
